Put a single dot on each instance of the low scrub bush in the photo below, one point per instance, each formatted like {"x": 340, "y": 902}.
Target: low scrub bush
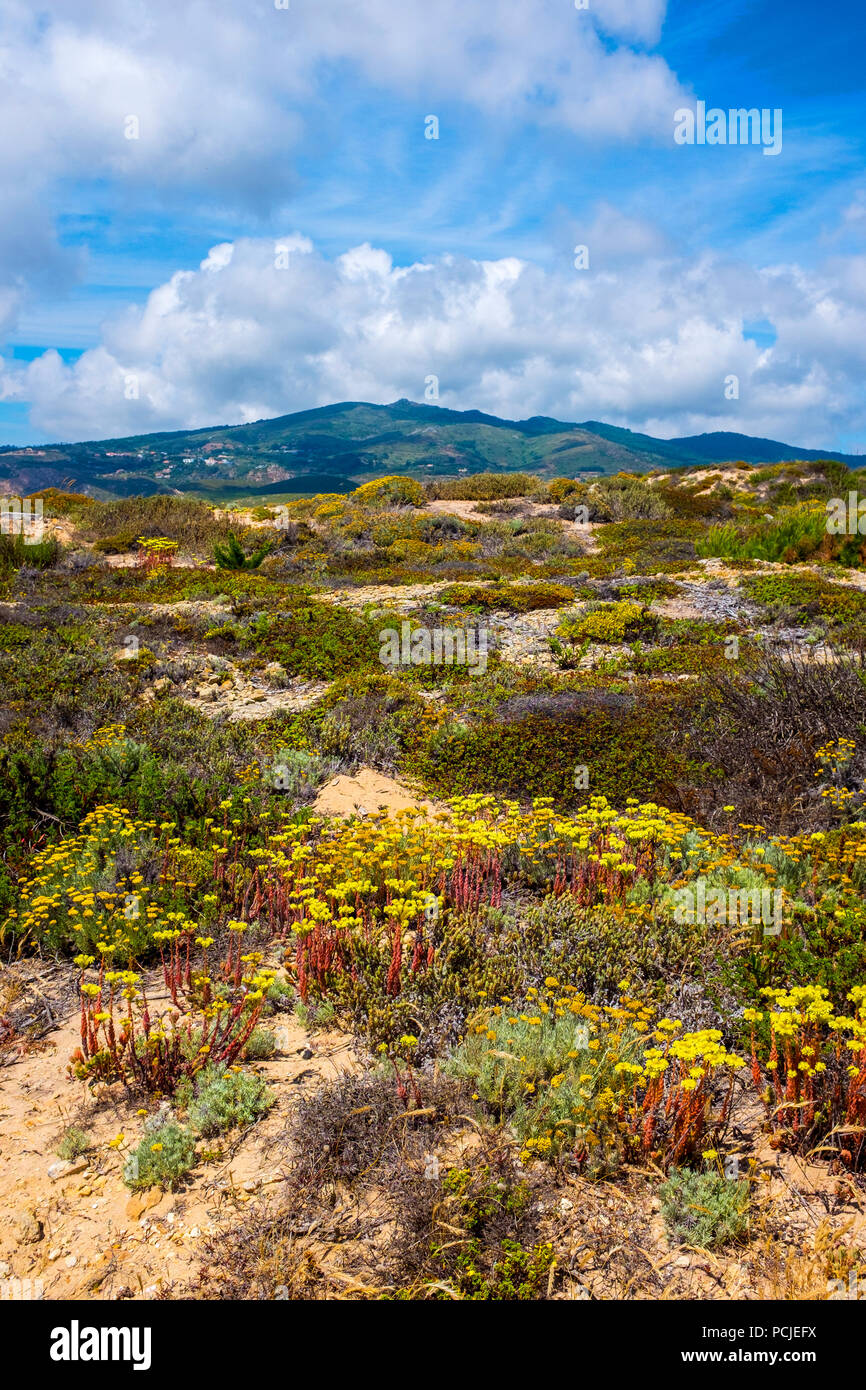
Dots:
{"x": 625, "y": 498}
{"x": 16, "y": 552}
{"x": 261, "y": 1045}
{"x": 576, "y": 1078}
{"x": 760, "y": 730}
{"x": 796, "y": 534}
{"x": 647, "y": 547}
{"x": 805, "y": 597}
{"x": 74, "y": 1143}
{"x": 318, "y": 641}
{"x": 706, "y": 1210}
{"x": 629, "y": 751}
{"x": 391, "y": 492}
{"x": 183, "y": 519}
{"x": 511, "y": 598}
{"x": 483, "y": 487}
{"x": 621, "y": 621}
{"x": 218, "y": 1099}
{"x": 163, "y": 1158}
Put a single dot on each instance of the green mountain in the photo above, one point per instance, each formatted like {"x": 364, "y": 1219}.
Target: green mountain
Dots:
{"x": 333, "y": 448}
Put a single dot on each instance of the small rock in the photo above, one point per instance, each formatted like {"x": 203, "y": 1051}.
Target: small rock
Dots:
{"x": 29, "y": 1230}
{"x": 5, "y": 1269}
{"x": 64, "y": 1168}
{"x": 160, "y": 685}
{"x": 565, "y": 1205}
{"x": 54, "y": 1255}
{"x": 141, "y": 1202}
{"x": 306, "y": 1053}
{"x": 206, "y": 692}
{"x": 71, "y": 1261}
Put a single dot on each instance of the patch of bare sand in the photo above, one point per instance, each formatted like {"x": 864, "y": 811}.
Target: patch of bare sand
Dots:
{"x": 468, "y": 510}
{"x": 366, "y": 792}
{"x": 676, "y": 608}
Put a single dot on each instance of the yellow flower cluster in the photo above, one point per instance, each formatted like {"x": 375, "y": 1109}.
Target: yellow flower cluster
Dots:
{"x": 61, "y": 894}
{"x": 584, "y": 1074}
{"x": 808, "y": 1007}
{"x": 103, "y": 738}
{"x": 158, "y": 545}
{"x": 399, "y": 863}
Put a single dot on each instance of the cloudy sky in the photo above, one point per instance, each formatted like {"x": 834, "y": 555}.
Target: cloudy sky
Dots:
{"x": 219, "y": 210}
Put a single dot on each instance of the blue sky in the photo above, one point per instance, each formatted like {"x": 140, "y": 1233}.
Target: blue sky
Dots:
{"x": 555, "y": 128}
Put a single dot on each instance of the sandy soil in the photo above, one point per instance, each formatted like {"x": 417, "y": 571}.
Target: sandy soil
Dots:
{"x": 367, "y": 791}
{"x": 74, "y": 1229}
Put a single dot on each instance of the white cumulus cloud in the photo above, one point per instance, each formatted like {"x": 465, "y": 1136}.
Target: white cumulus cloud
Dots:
{"x": 265, "y": 327}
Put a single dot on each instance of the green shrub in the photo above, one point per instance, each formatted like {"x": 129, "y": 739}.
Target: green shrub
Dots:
{"x": 483, "y": 487}
{"x": 559, "y": 1078}
{"x": 368, "y": 717}
{"x": 98, "y": 861}
{"x": 621, "y": 621}
{"x": 648, "y": 592}
{"x": 795, "y": 535}
{"x": 16, "y": 553}
{"x": 230, "y": 555}
{"x": 647, "y": 547}
{"x": 692, "y": 658}
{"x": 260, "y": 1045}
{"x": 625, "y": 498}
{"x": 74, "y": 1143}
{"x": 313, "y": 640}
{"x": 537, "y": 754}
{"x": 595, "y": 949}
{"x": 118, "y": 544}
{"x": 218, "y": 1100}
{"x": 280, "y": 996}
{"x": 704, "y": 1209}
{"x": 562, "y": 488}
{"x": 163, "y": 1158}
{"x": 298, "y": 773}
{"x": 320, "y": 1015}
{"x": 512, "y": 598}
{"x": 824, "y": 945}
{"x": 186, "y": 520}
{"x": 485, "y": 1264}
{"x": 56, "y": 502}
{"x": 808, "y": 595}
{"x": 392, "y": 491}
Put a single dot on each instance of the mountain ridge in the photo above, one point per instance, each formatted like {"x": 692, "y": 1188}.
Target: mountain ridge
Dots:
{"x": 333, "y": 447}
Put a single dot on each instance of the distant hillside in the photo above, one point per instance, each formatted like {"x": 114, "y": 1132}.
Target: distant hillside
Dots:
{"x": 332, "y": 448}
